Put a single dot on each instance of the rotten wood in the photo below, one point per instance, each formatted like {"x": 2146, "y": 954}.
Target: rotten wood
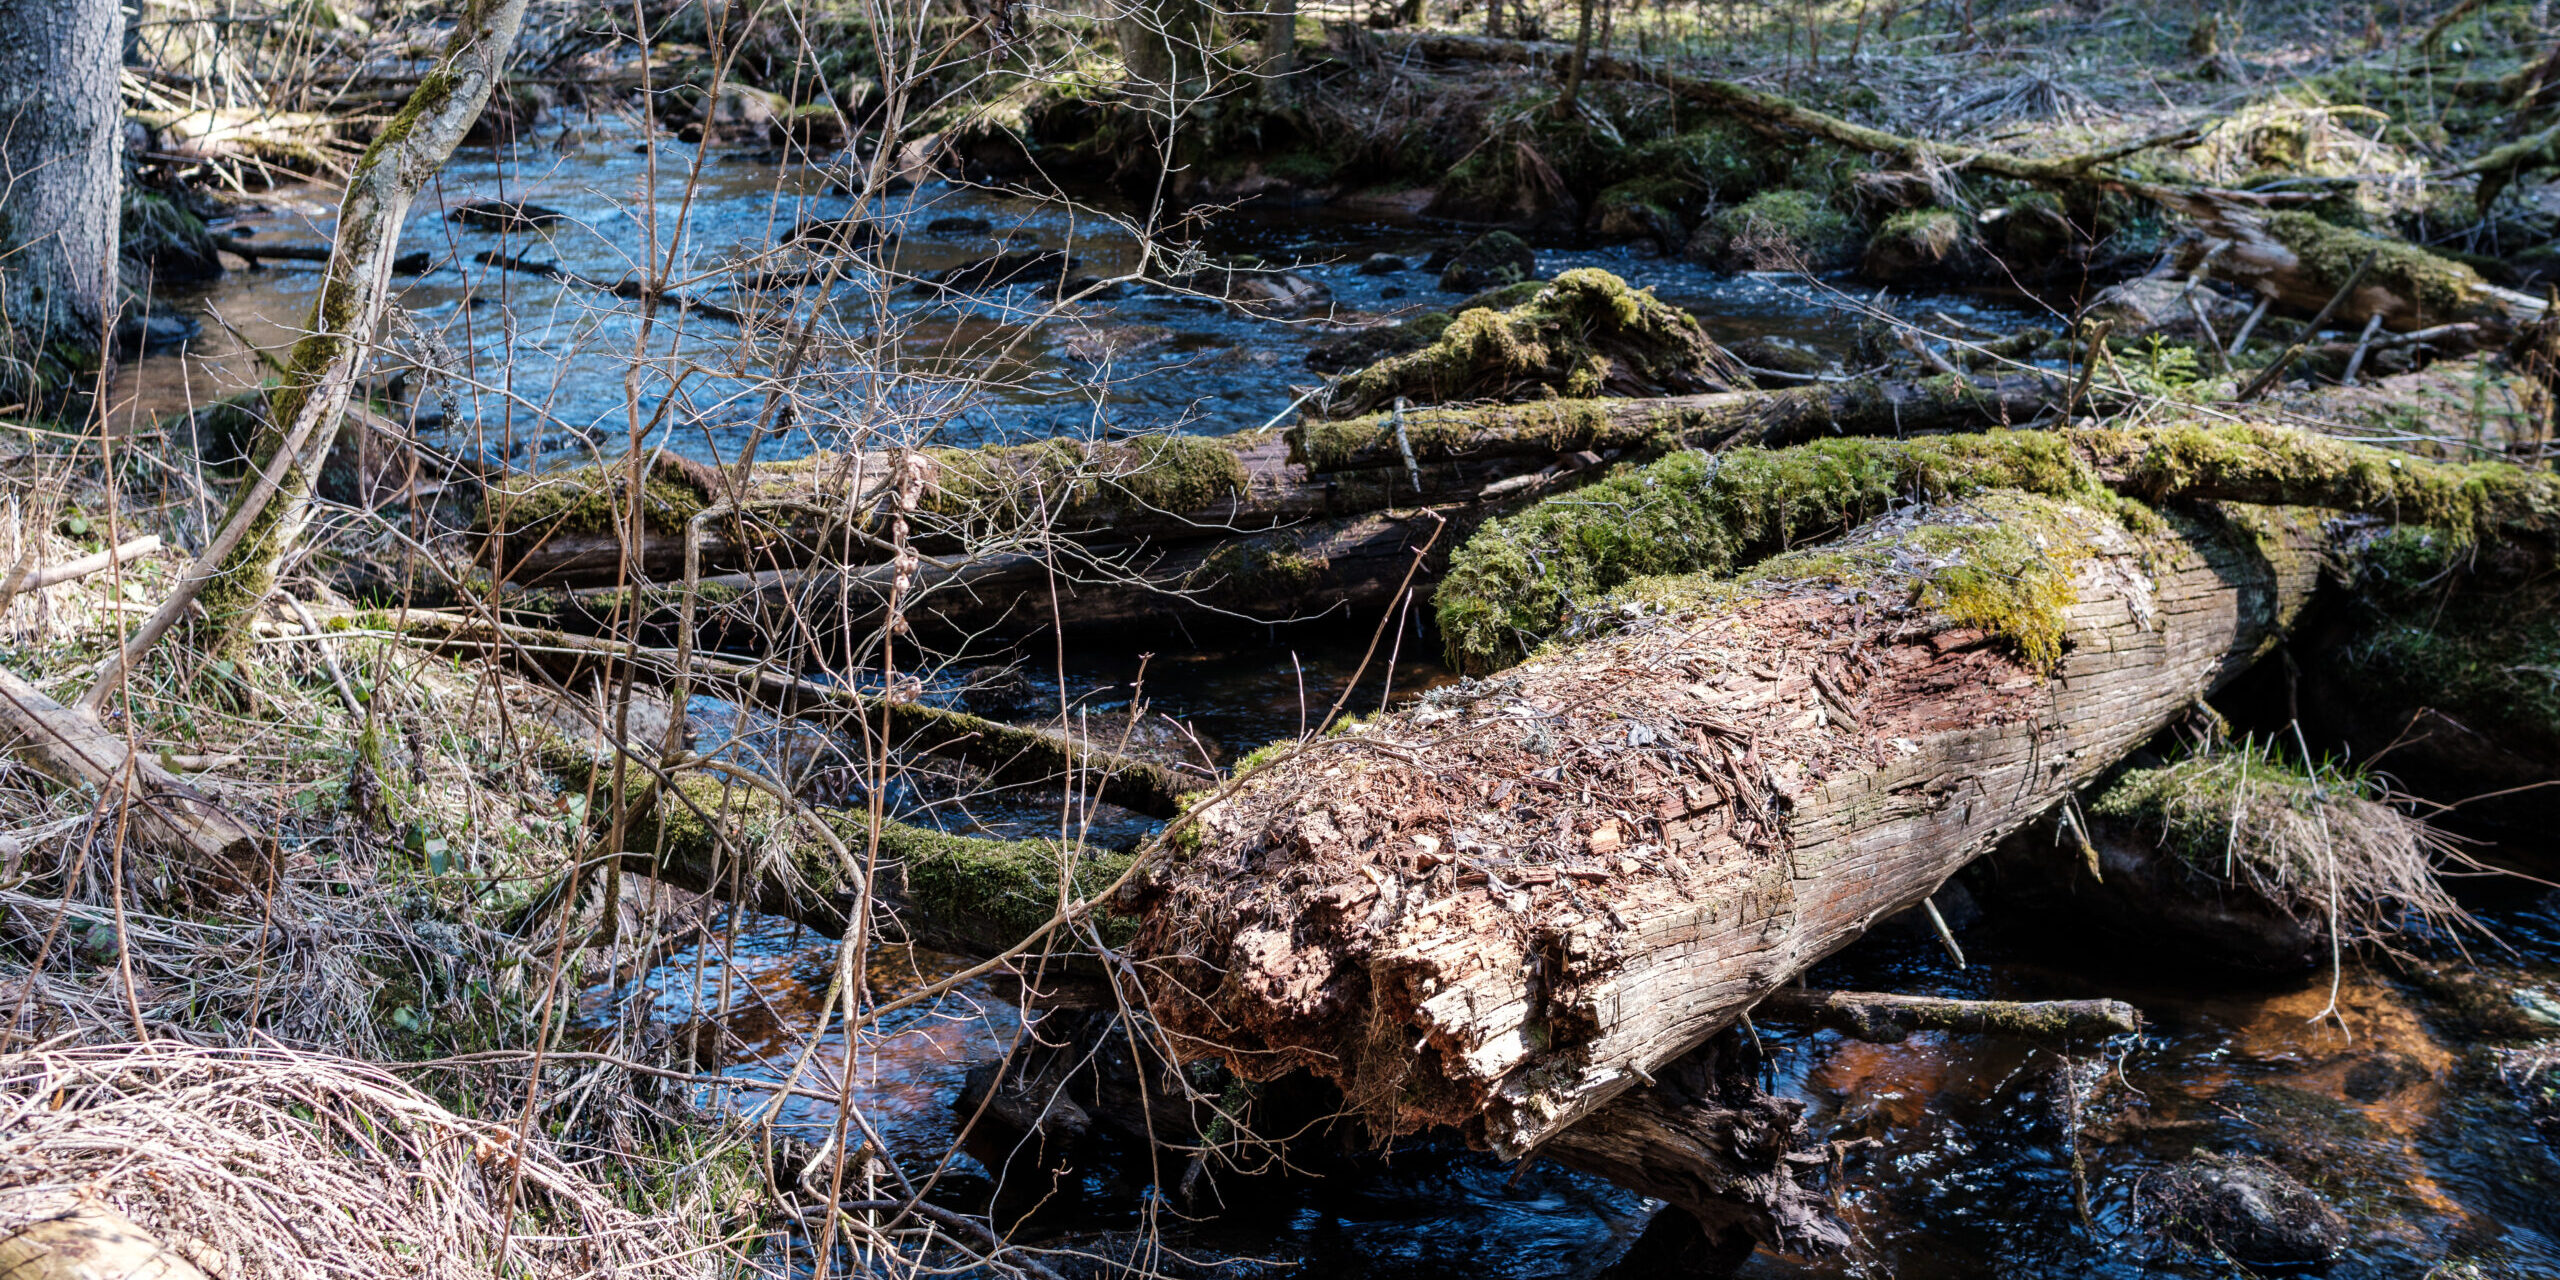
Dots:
{"x": 1499, "y": 914}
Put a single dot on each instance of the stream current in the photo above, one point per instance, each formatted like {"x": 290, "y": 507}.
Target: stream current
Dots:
{"x": 2394, "y": 1110}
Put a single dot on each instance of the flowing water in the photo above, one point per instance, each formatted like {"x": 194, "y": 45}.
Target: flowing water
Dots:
{"x": 2394, "y": 1110}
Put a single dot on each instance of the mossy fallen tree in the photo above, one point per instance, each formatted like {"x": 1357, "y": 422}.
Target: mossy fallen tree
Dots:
{"x": 1505, "y": 908}
{"x": 1772, "y": 111}
{"x": 1546, "y": 428}
{"x": 561, "y": 529}
{"x": 735, "y": 838}
{"x": 2302, "y": 262}
{"x": 1584, "y": 334}
{"x": 1523, "y": 579}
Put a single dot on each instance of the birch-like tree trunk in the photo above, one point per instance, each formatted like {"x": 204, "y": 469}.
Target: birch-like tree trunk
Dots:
{"x": 309, "y": 402}
{"x": 61, "y": 171}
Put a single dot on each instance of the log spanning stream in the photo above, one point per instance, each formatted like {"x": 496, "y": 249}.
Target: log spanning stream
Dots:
{"x": 1966, "y": 1156}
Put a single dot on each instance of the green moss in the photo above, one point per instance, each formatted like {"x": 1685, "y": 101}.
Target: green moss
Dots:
{"x": 1718, "y": 161}
{"x": 1518, "y": 581}
{"x": 2443, "y": 289}
{"x": 1258, "y": 569}
{"x": 1777, "y": 228}
{"x": 1011, "y": 885}
{"x": 1917, "y": 240}
{"x": 2000, "y": 562}
{"x": 2191, "y": 807}
{"x": 1149, "y": 473}
{"x": 590, "y": 500}
{"x": 1584, "y": 333}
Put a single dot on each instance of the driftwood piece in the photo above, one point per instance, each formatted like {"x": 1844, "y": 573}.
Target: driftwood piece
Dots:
{"x": 70, "y": 744}
{"x": 1889, "y": 1019}
{"x": 1495, "y": 914}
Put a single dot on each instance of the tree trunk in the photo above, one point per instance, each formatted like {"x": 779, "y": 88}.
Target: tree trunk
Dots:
{"x": 1566, "y": 104}
{"x": 1498, "y": 914}
{"x": 1280, "y": 41}
{"x": 310, "y": 399}
{"x": 61, "y": 182}
{"x": 1165, "y": 44}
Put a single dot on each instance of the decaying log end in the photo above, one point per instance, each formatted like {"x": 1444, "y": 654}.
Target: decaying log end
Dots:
{"x": 1500, "y": 909}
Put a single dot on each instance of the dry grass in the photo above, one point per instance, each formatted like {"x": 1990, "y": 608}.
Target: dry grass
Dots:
{"x": 265, "y": 1163}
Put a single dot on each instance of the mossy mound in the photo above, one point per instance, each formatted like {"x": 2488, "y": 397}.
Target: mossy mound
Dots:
{"x": 2310, "y": 842}
{"x": 1643, "y": 208}
{"x": 1778, "y": 230}
{"x": 1490, "y": 261}
{"x": 588, "y": 501}
{"x": 162, "y": 242}
{"x": 1919, "y": 244}
{"x": 1585, "y": 334}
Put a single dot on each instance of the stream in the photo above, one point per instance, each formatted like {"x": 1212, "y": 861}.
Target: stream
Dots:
{"x": 2398, "y": 1116}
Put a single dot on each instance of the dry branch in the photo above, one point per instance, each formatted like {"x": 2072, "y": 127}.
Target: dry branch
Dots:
{"x": 1890, "y": 1019}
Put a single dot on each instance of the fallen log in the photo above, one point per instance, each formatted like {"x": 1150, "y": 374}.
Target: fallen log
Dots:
{"x": 1773, "y": 111}
{"x": 162, "y": 808}
{"x": 65, "y": 1238}
{"x": 1499, "y": 910}
{"x": 560, "y": 528}
{"x": 29, "y": 576}
{"x": 2304, "y": 262}
{"x": 1526, "y": 578}
{"x": 1890, "y": 1019}
{"x": 731, "y": 835}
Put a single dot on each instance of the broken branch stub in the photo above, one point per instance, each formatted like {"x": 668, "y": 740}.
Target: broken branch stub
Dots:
{"x": 1494, "y": 911}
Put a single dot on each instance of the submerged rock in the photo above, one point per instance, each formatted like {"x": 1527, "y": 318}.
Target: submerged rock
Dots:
{"x": 2247, "y": 1210}
{"x": 1491, "y": 260}
{"x": 1778, "y": 230}
{"x": 1382, "y": 264}
{"x": 959, "y": 228}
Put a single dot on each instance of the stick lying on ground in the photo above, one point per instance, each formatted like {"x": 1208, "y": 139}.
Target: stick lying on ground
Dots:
{"x": 1890, "y": 1019}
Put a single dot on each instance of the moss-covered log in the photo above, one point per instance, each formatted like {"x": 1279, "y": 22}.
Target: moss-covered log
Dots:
{"x": 735, "y": 840}
{"x": 1548, "y": 428}
{"x": 1584, "y": 334}
{"x": 266, "y": 518}
{"x": 1771, "y": 111}
{"x": 1525, "y": 578}
{"x": 1499, "y": 910}
{"x": 2302, "y": 261}
{"x": 560, "y": 528}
